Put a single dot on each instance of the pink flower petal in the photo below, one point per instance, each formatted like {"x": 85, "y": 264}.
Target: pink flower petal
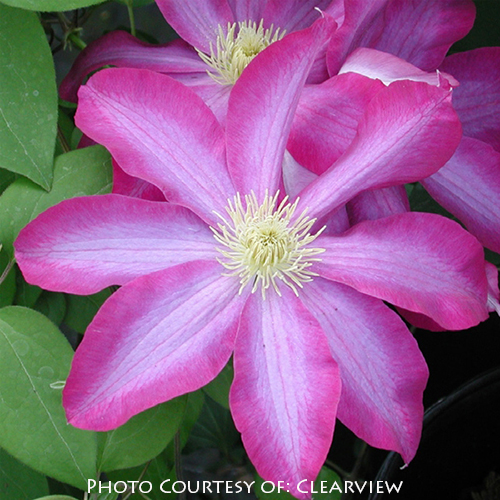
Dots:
{"x": 132, "y": 186}
{"x": 249, "y": 10}
{"x": 85, "y": 244}
{"x": 214, "y": 95}
{"x": 388, "y": 68}
{"x": 419, "y": 32}
{"x": 118, "y": 48}
{"x": 409, "y": 130}
{"x": 422, "y": 32}
{"x": 327, "y": 118}
{"x": 421, "y": 262}
{"x": 477, "y": 99}
{"x": 160, "y": 131}
{"x": 378, "y": 203}
{"x": 383, "y": 372}
{"x": 197, "y": 21}
{"x": 355, "y": 30}
{"x": 468, "y": 186}
{"x": 261, "y": 108}
{"x": 156, "y": 338}
{"x": 292, "y": 15}
{"x": 285, "y": 391}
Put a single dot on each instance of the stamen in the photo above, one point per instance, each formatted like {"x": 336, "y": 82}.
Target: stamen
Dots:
{"x": 262, "y": 245}
{"x": 233, "y": 52}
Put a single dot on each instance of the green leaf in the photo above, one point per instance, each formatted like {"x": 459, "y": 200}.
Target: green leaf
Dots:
{"x": 8, "y": 283}
{"x": 142, "y": 438}
{"x": 328, "y": 486}
{"x": 157, "y": 471}
{"x": 77, "y": 173}
{"x": 33, "y": 355}
{"x": 81, "y": 309}
{"x": 51, "y": 5}
{"x": 18, "y": 482}
{"x": 56, "y": 497}
{"x": 65, "y": 127}
{"x": 214, "y": 429}
{"x": 218, "y": 389}
{"x": 28, "y": 105}
{"x": 6, "y": 179}
{"x": 26, "y": 294}
{"x": 52, "y": 305}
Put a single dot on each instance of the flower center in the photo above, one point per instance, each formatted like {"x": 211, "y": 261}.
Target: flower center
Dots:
{"x": 262, "y": 244}
{"x": 233, "y": 52}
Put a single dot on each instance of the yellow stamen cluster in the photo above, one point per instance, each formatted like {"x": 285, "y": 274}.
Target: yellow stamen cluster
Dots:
{"x": 234, "y": 52}
{"x": 263, "y": 245}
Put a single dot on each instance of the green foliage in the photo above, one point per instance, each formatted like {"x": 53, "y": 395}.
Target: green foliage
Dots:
{"x": 142, "y": 438}
{"x": 8, "y": 280}
{"x": 28, "y": 105}
{"x": 18, "y": 482}
{"x": 33, "y": 428}
{"x": 218, "y": 389}
{"x": 83, "y": 172}
{"x": 51, "y": 5}
{"x": 81, "y": 309}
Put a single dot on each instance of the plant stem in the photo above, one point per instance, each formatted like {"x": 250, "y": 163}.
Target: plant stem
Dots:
{"x": 6, "y": 271}
{"x": 131, "y": 16}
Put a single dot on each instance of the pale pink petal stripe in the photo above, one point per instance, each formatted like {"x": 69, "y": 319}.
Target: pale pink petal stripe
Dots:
{"x": 389, "y": 68}
{"x": 477, "y": 99}
{"x": 468, "y": 186}
{"x": 119, "y": 48}
{"x": 421, "y": 262}
{"x": 85, "y": 244}
{"x": 197, "y": 21}
{"x": 160, "y": 131}
{"x": 156, "y": 338}
{"x": 409, "y": 130}
{"x": 383, "y": 372}
{"x": 285, "y": 391}
{"x": 262, "y": 105}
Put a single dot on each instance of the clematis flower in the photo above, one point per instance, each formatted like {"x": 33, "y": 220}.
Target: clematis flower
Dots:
{"x": 468, "y": 185}
{"x": 219, "y": 39}
{"x": 230, "y": 265}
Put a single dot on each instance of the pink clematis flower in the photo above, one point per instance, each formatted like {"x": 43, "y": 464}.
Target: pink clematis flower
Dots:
{"x": 219, "y": 39}
{"x": 231, "y": 266}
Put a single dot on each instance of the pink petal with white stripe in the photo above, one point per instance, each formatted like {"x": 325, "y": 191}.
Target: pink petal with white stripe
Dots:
{"x": 262, "y": 105}
{"x": 421, "y": 262}
{"x": 383, "y": 372}
{"x": 388, "y": 68}
{"x": 286, "y": 389}
{"x": 119, "y": 48}
{"x": 477, "y": 99}
{"x": 409, "y": 130}
{"x": 468, "y": 186}
{"x": 197, "y": 21}
{"x": 327, "y": 118}
{"x": 160, "y": 131}
{"x": 160, "y": 336}
{"x": 85, "y": 244}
